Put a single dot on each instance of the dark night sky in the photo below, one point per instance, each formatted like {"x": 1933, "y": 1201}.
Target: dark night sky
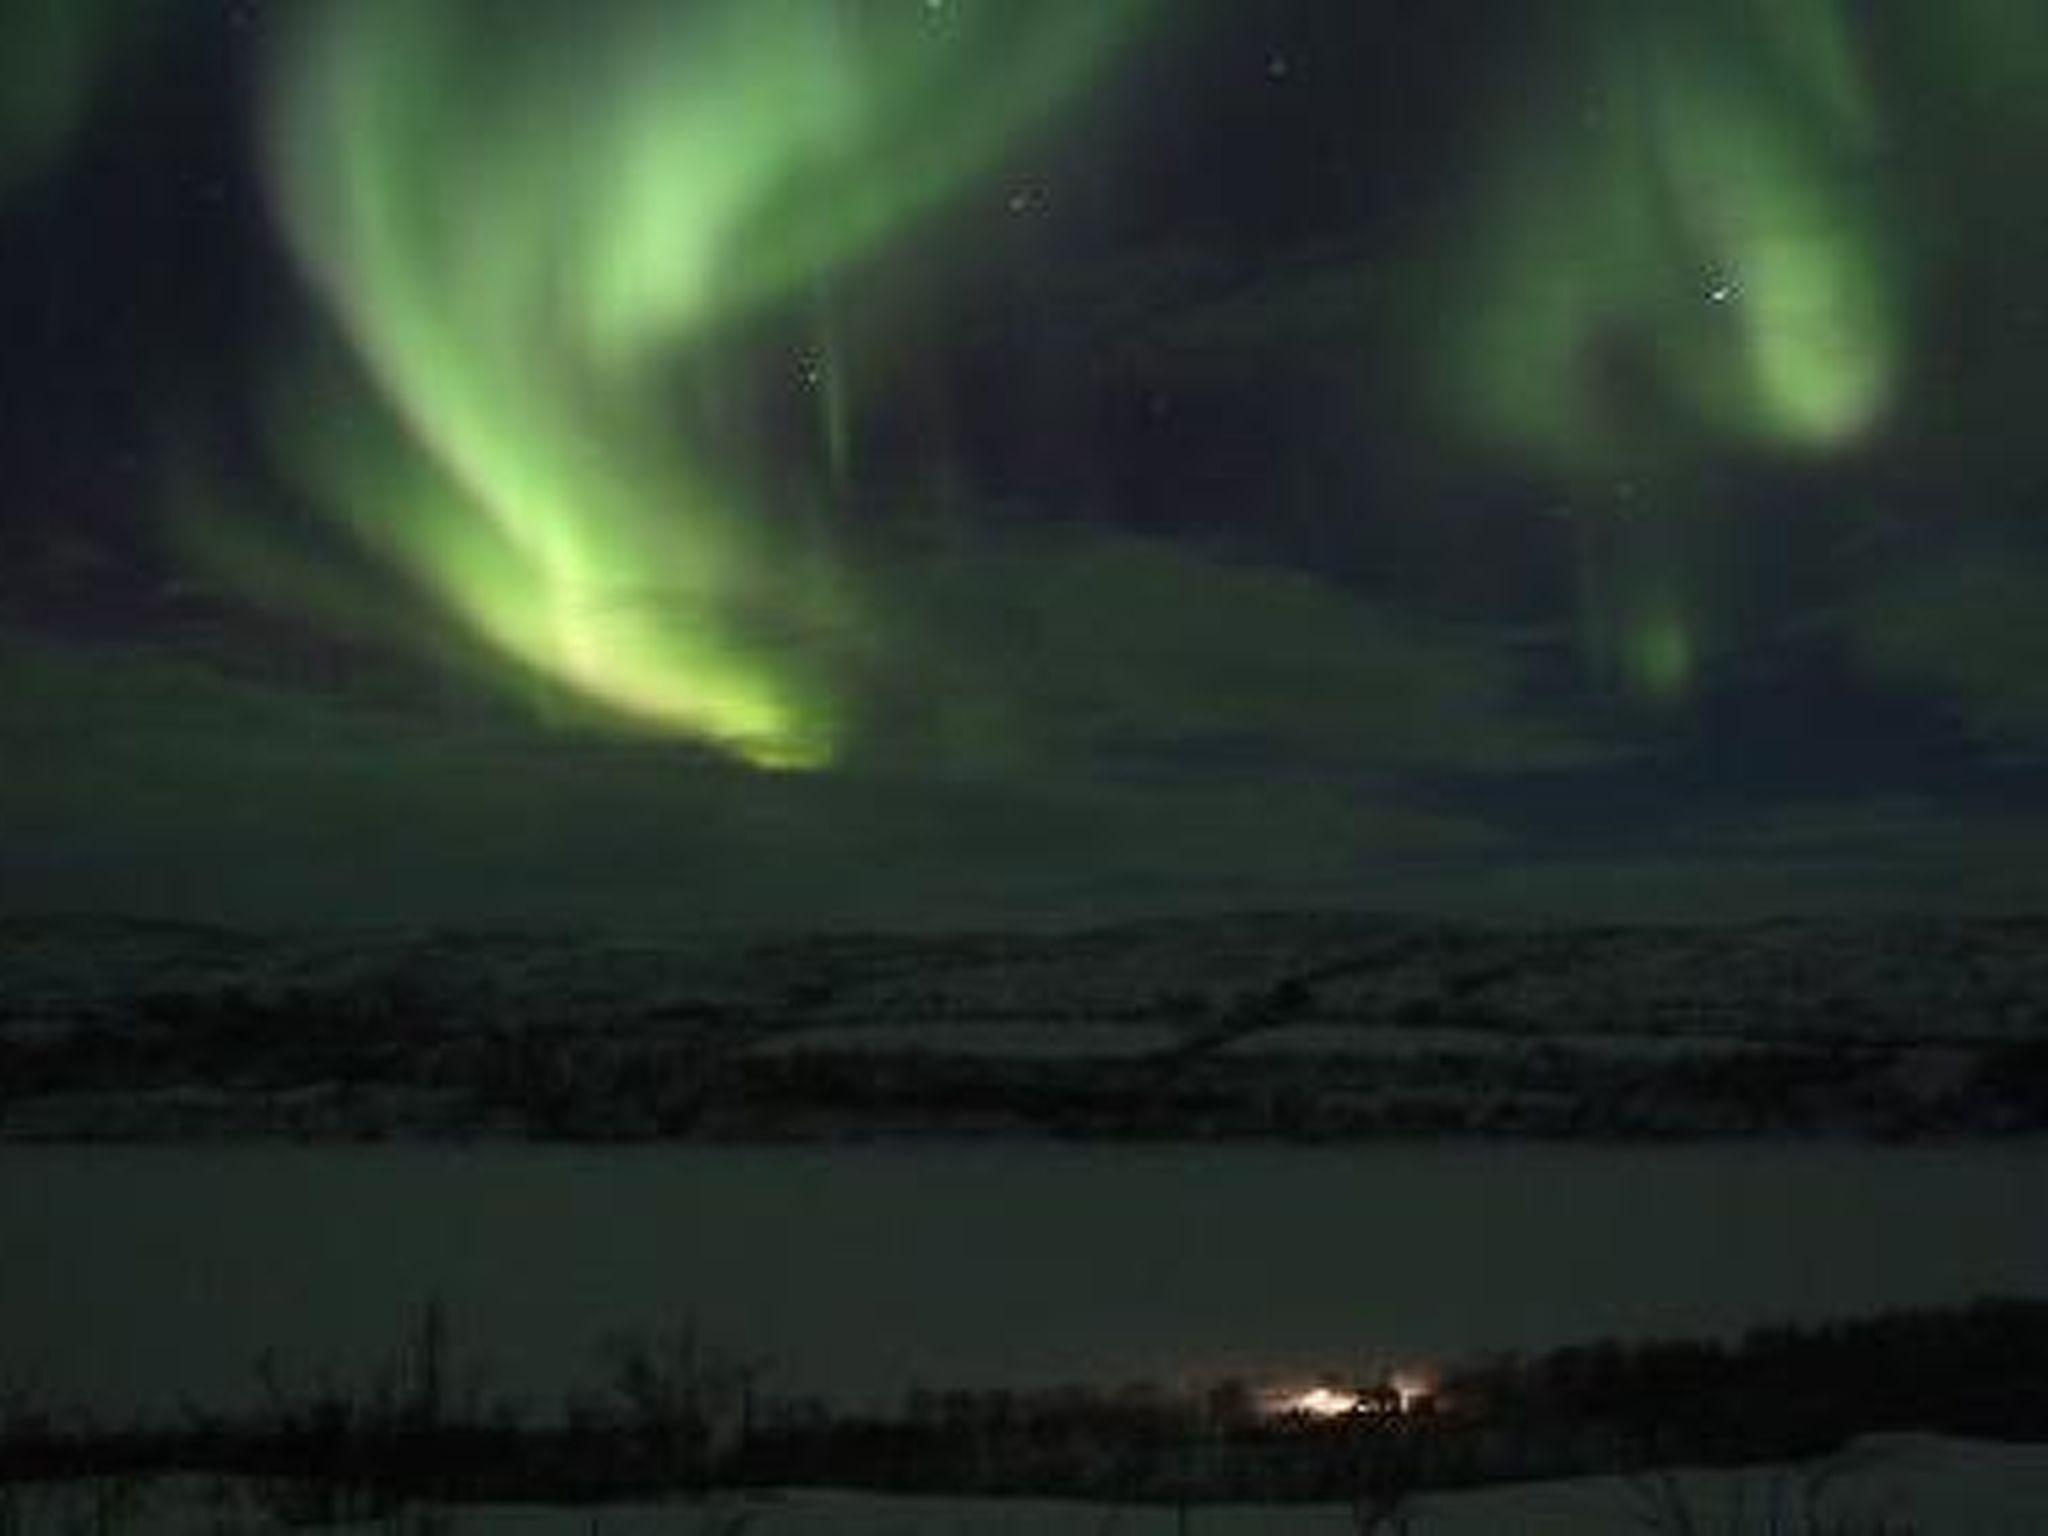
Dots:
{"x": 847, "y": 461}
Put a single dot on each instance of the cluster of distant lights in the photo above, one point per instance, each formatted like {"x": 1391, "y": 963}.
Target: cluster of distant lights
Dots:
{"x": 1403, "y": 1393}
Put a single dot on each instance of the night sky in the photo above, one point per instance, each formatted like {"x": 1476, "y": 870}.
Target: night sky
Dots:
{"x": 705, "y": 463}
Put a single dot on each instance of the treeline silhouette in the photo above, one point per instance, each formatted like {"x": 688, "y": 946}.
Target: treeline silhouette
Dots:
{"x": 674, "y": 1415}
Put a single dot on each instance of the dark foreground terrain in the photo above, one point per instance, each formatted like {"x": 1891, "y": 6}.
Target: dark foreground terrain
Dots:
{"x": 672, "y": 1415}
{"x": 1273, "y": 1026}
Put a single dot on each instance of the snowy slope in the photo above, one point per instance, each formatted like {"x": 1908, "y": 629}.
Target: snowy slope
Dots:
{"x": 1923, "y": 1484}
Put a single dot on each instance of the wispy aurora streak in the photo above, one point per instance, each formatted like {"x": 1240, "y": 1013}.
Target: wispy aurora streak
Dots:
{"x": 1689, "y": 252}
{"x": 52, "y": 55}
{"x": 1699, "y": 222}
{"x": 530, "y": 217}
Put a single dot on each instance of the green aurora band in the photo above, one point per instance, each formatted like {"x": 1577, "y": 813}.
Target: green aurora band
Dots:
{"x": 54, "y": 55}
{"x": 552, "y": 235}
{"x": 1688, "y": 252}
{"x": 538, "y": 224}
{"x": 1700, "y": 216}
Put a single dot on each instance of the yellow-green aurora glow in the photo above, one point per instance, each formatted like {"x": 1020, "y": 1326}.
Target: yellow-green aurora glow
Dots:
{"x": 529, "y": 219}
{"x": 1694, "y": 227}
{"x": 1683, "y": 252}
{"x": 553, "y": 235}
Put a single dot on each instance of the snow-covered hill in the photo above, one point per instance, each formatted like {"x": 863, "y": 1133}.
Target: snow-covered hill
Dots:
{"x": 1263, "y": 1025}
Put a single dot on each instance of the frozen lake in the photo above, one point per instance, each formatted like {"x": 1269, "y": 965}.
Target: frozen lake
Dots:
{"x": 131, "y": 1276}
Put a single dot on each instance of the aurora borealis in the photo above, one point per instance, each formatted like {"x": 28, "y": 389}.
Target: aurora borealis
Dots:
{"x": 59, "y": 55}
{"x": 1684, "y": 258}
{"x": 530, "y": 220}
{"x": 1698, "y": 217}
{"x": 1114, "y": 453}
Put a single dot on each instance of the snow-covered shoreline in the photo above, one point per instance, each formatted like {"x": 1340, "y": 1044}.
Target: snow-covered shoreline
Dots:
{"x": 1928, "y": 1485}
